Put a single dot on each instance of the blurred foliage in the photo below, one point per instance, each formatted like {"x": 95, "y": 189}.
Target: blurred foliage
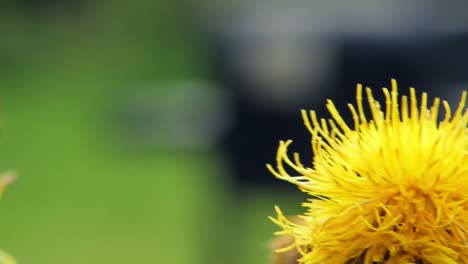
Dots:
{"x": 81, "y": 196}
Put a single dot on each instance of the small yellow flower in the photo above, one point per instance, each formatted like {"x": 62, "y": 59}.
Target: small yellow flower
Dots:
{"x": 5, "y": 180}
{"x": 392, "y": 189}
{"x": 6, "y": 259}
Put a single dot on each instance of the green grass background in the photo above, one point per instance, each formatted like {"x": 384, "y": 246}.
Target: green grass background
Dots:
{"x": 82, "y": 195}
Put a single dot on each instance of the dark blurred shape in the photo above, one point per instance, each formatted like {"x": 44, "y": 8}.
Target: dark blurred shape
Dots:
{"x": 273, "y": 70}
{"x": 46, "y": 7}
{"x": 278, "y": 60}
{"x": 186, "y": 115}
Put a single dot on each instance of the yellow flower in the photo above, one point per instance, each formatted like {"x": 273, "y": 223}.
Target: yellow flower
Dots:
{"x": 5, "y": 180}
{"x": 6, "y": 259}
{"x": 392, "y": 189}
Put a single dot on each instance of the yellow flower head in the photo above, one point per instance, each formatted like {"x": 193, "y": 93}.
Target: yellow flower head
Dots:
{"x": 6, "y": 259}
{"x": 5, "y": 180}
{"x": 392, "y": 189}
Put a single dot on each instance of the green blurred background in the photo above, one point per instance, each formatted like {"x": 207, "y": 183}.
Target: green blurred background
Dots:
{"x": 140, "y": 129}
{"x": 88, "y": 192}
